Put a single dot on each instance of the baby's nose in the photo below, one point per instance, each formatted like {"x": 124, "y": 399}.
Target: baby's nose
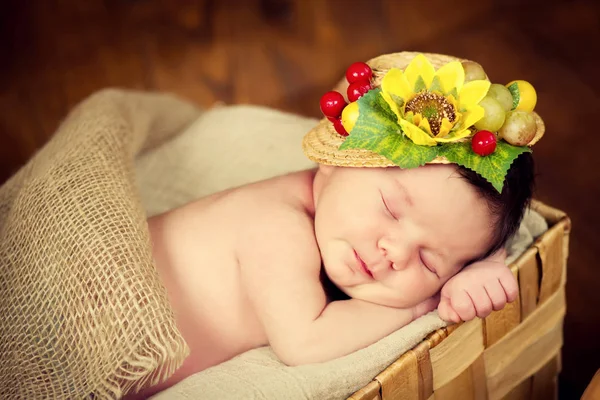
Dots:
{"x": 398, "y": 254}
{"x": 399, "y": 262}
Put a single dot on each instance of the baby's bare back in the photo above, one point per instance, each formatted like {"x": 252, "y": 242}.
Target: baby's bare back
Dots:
{"x": 195, "y": 252}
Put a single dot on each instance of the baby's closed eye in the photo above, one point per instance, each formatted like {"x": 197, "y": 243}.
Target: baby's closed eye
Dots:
{"x": 386, "y": 206}
{"x": 427, "y": 263}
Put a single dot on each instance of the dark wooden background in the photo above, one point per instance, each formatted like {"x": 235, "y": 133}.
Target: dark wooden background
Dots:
{"x": 286, "y": 53}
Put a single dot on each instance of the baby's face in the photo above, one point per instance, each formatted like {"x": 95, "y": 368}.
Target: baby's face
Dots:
{"x": 394, "y": 237}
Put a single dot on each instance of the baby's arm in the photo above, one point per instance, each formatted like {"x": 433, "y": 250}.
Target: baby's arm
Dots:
{"x": 280, "y": 271}
{"x": 478, "y": 289}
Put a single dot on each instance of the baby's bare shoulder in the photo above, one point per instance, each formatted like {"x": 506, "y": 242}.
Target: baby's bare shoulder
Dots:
{"x": 278, "y": 214}
{"x": 272, "y": 213}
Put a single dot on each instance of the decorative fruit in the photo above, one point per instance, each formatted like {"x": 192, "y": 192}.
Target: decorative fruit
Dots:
{"x": 483, "y": 143}
{"x": 519, "y": 128}
{"x": 359, "y": 71}
{"x": 349, "y": 116}
{"x": 494, "y": 115}
{"x": 332, "y": 104}
{"x": 501, "y": 94}
{"x": 356, "y": 90}
{"x": 473, "y": 71}
{"x": 523, "y": 95}
{"x": 339, "y": 128}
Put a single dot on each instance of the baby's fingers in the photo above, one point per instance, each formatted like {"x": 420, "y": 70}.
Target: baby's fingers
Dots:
{"x": 511, "y": 287}
{"x": 463, "y": 305}
{"x": 446, "y": 312}
{"x": 481, "y": 300}
{"x": 497, "y": 295}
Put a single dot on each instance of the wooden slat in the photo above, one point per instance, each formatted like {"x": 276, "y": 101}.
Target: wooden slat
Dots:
{"x": 425, "y": 370}
{"x": 369, "y": 392}
{"x": 499, "y": 323}
{"x": 520, "y": 392}
{"x": 526, "y": 349}
{"x": 550, "y": 248}
{"x": 469, "y": 385}
{"x": 545, "y": 381}
{"x": 566, "y": 225}
{"x": 456, "y": 353}
{"x": 550, "y": 214}
{"x": 479, "y": 377}
{"x": 529, "y": 280}
{"x": 556, "y": 217}
{"x": 531, "y": 360}
{"x": 437, "y": 337}
{"x": 409, "y": 377}
{"x": 401, "y": 379}
{"x": 394, "y": 387}
{"x": 459, "y": 388}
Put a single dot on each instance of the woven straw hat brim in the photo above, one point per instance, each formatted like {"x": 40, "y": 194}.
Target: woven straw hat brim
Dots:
{"x": 322, "y": 143}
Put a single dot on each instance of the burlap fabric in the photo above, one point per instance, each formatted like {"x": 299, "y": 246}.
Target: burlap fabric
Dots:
{"x": 81, "y": 305}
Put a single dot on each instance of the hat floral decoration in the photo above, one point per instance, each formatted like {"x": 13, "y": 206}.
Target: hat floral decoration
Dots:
{"x": 421, "y": 115}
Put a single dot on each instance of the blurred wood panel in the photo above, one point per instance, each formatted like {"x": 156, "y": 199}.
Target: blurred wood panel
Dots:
{"x": 286, "y": 53}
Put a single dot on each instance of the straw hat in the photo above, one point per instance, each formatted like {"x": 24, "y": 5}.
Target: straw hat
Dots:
{"x": 322, "y": 143}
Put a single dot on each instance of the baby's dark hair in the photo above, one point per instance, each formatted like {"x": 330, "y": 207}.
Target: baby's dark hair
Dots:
{"x": 510, "y": 205}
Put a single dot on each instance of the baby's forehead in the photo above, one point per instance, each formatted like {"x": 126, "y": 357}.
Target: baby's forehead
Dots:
{"x": 439, "y": 171}
{"x": 449, "y": 207}
{"x": 440, "y": 183}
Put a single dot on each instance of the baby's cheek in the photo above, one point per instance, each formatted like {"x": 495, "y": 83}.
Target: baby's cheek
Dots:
{"x": 435, "y": 284}
{"x": 336, "y": 260}
{"x": 426, "y": 285}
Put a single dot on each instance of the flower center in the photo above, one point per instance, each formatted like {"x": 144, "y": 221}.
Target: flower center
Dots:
{"x": 432, "y": 106}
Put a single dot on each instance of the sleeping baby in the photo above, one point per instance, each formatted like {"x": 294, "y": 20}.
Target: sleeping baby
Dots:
{"x": 320, "y": 263}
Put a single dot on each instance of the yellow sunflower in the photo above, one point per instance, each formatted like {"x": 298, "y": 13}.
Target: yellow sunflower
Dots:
{"x": 434, "y": 106}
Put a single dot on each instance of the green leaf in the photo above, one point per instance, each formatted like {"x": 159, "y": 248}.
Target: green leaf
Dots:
{"x": 398, "y": 100}
{"x": 454, "y": 93}
{"x": 493, "y": 167}
{"x": 516, "y": 95}
{"x": 377, "y": 130}
{"x": 436, "y": 85}
{"x": 419, "y": 85}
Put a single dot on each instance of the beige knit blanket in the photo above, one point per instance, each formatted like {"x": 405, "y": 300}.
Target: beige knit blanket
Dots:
{"x": 82, "y": 308}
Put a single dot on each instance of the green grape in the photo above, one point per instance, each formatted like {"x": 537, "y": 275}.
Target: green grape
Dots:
{"x": 494, "y": 115}
{"x": 473, "y": 71}
{"x": 502, "y": 95}
{"x": 519, "y": 129}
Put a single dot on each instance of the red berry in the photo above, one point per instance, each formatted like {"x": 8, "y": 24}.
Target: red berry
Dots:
{"x": 356, "y": 90}
{"x": 332, "y": 119}
{"x": 484, "y": 143}
{"x": 332, "y": 104}
{"x": 359, "y": 71}
{"x": 339, "y": 128}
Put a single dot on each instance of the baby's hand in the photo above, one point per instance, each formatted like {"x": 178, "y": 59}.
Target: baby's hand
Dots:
{"x": 477, "y": 290}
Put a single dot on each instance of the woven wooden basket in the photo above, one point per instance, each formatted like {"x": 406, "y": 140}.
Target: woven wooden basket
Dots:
{"x": 512, "y": 354}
